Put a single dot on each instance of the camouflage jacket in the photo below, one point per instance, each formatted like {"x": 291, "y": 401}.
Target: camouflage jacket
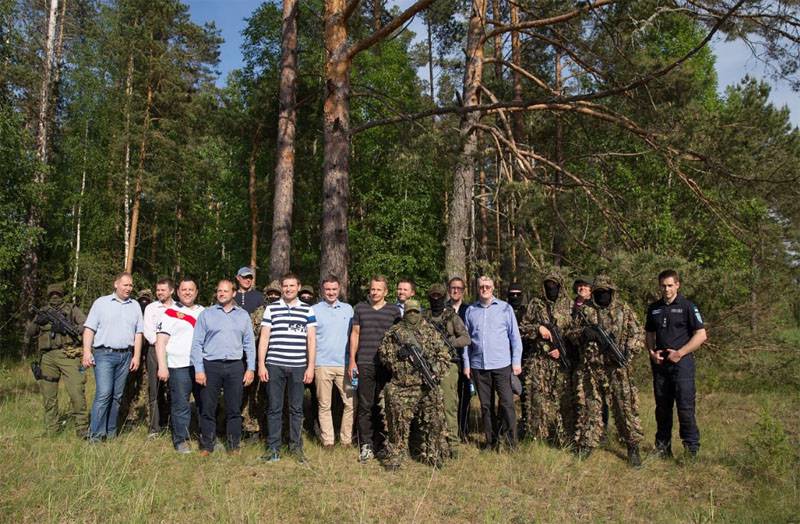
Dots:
{"x": 434, "y": 351}
{"x": 541, "y": 312}
{"x": 256, "y": 317}
{"x": 452, "y": 326}
{"x": 46, "y": 339}
{"x": 619, "y": 320}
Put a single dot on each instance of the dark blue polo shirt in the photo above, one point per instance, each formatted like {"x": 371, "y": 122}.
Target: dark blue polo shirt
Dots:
{"x": 673, "y": 324}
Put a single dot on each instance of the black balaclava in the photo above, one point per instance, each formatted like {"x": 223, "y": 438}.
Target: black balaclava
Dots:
{"x": 272, "y": 298}
{"x": 437, "y": 304}
{"x": 551, "y": 290}
{"x": 143, "y": 302}
{"x": 306, "y": 297}
{"x": 602, "y": 297}
{"x": 515, "y": 299}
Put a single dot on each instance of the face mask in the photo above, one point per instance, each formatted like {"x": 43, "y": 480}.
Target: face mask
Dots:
{"x": 306, "y": 298}
{"x": 551, "y": 290}
{"x": 602, "y": 297}
{"x": 55, "y": 300}
{"x": 273, "y": 298}
{"x": 515, "y": 299}
{"x": 437, "y": 304}
{"x": 412, "y": 317}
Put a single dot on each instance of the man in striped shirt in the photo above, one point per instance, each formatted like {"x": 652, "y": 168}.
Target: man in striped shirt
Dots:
{"x": 286, "y": 359}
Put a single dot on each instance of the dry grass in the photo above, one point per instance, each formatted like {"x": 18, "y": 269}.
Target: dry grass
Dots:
{"x": 132, "y": 479}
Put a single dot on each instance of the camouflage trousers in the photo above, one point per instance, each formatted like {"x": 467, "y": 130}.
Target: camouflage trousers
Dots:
{"x": 548, "y": 401}
{"x": 405, "y": 405}
{"x": 254, "y": 408}
{"x": 595, "y": 377}
{"x": 58, "y": 366}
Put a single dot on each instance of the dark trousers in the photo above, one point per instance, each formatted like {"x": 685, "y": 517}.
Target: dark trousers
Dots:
{"x": 156, "y": 392}
{"x": 464, "y": 398}
{"x": 371, "y": 380}
{"x": 281, "y": 379}
{"x": 488, "y": 381}
{"x": 221, "y": 375}
{"x": 673, "y": 384}
{"x": 181, "y": 385}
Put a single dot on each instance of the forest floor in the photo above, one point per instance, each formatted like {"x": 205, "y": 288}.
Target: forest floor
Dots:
{"x": 748, "y": 469}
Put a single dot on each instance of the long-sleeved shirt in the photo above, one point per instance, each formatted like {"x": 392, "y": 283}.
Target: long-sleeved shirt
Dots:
{"x": 115, "y": 322}
{"x": 152, "y": 316}
{"x": 223, "y": 335}
{"x": 495, "y": 342}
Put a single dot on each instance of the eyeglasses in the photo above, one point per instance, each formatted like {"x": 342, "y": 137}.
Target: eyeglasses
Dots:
{"x": 454, "y": 288}
{"x": 485, "y": 287}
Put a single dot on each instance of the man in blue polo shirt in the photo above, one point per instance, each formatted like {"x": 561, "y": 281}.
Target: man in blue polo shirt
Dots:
{"x": 495, "y": 352}
{"x": 286, "y": 357}
{"x": 334, "y": 324}
{"x": 223, "y": 335}
{"x": 112, "y": 342}
{"x": 674, "y": 330}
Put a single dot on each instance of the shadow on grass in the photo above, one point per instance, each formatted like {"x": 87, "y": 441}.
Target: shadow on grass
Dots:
{"x": 8, "y": 392}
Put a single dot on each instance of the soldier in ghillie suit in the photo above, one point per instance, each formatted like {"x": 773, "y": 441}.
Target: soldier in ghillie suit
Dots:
{"x": 451, "y": 328}
{"x": 548, "y": 404}
{"x": 600, "y": 372}
{"x": 407, "y": 395}
{"x": 254, "y": 397}
{"x": 60, "y": 358}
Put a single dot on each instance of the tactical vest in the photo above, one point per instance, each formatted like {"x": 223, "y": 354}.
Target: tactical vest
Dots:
{"x": 49, "y": 340}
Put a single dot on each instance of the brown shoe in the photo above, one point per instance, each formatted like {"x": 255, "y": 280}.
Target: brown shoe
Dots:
{"x": 204, "y": 453}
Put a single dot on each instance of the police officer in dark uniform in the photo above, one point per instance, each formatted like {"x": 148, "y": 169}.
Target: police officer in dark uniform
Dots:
{"x": 675, "y": 330}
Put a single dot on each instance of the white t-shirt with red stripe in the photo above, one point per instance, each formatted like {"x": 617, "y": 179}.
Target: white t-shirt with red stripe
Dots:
{"x": 178, "y": 322}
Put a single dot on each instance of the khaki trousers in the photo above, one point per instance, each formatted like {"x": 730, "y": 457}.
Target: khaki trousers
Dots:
{"x": 325, "y": 378}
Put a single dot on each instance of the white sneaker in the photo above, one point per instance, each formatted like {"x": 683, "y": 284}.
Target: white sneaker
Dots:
{"x": 366, "y": 453}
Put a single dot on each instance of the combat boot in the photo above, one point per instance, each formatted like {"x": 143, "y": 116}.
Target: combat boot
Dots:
{"x": 633, "y": 457}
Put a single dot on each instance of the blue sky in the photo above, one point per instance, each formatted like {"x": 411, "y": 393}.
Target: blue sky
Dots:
{"x": 734, "y": 60}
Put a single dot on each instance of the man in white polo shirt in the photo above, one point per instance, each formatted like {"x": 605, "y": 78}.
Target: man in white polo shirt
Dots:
{"x": 286, "y": 356}
{"x": 173, "y": 350}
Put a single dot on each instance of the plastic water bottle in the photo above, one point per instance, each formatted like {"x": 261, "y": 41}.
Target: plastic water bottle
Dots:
{"x": 354, "y": 379}
{"x": 472, "y": 389}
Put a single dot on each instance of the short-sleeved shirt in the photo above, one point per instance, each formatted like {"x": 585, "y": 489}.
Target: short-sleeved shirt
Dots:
{"x": 115, "y": 322}
{"x": 373, "y": 325}
{"x": 673, "y": 324}
{"x": 334, "y": 322}
{"x": 288, "y": 335}
{"x": 178, "y": 322}
{"x": 152, "y": 316}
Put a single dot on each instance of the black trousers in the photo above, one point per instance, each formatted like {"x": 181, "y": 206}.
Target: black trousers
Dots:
{"x": 156, "y": 392}
{"x": 284, "y": 379}
{"x": 498, "y": 381}
{"x": 464, "y": 398}
{"x": 371, "y": 380}
{"x": 221, "y": 375}
{"x": 673, "y": 385}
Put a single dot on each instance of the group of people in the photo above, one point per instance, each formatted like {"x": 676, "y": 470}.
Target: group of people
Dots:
{"x": 405, "y": 374}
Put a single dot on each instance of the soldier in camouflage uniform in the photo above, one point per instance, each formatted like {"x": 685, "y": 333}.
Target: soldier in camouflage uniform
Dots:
{"x": 254, "y": 397}
{"x": 598, "y": 374}
{"x": 452, "y": 329}
{"x": 60, "y": 359}
{"x": 407, "y": 397}
{"x": 548, "y": 404}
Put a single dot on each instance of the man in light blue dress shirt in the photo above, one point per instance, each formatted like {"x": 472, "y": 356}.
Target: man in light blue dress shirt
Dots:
{"x": 494, "y": 353}
{"x": 112, "y": 342}
{"x": 223, "y": 335}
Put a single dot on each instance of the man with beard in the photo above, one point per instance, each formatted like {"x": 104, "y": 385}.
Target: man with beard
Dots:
{"x": 452, "y": 330}
{"x": 610, "y": 337}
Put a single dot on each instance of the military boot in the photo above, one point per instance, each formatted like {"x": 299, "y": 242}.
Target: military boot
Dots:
{"x": 633, "y": 457}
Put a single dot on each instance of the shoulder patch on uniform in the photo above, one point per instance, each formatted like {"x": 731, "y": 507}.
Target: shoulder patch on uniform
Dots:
{"x": 655, "y": 312}
{"x": 697, "y": 314}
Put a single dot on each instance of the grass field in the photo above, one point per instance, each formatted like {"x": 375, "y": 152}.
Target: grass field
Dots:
{"x": 747, "y": 471}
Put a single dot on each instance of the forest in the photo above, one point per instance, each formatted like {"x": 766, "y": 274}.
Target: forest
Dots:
{"x": 509, "y": 136}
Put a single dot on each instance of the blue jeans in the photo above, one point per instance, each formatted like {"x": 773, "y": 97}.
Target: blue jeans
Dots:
{"x": 281, "y": 378}
{"x": 110, "y": 374}
{"x": 181, "y": 385}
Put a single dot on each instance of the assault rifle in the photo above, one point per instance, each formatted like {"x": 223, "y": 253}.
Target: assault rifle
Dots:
{"x": 413, "y": 353}
{"x": 606, "y": 340}
{"x": 557, "y": 341}
{"x": 455, "y": 356}
{"x": 60, "y": 325}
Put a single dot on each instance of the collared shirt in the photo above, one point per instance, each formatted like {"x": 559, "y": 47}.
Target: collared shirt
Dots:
{"x": 288, "y": 332}
{"x": 402, "y": 307}
{"x": 674, "y": 323}
{"x": 249, "y": 300}
{"x": 223, "y": 335}
{"x": 494, "y": 334}
{"x": 115, "y": 322}
{"x": 178, "y": 322}
{"x": 334, "y": 323}
{"x": 152, "y": 316}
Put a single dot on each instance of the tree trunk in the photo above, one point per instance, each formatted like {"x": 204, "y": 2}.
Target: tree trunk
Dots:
{"x": 516, "y": 59}
{"x": 430, "y": 58}
{"x": 377, "y": 13}
{"x": 126, "y": 168}
{"x": 137, "y": 192}
{"x": 336, "y": 184}
{"x": 251, "y": 191}
{"x": 79, "y": 214}
{"x": 558, "y": 227}
{"x": 281, "y": 248}
{"x": 464, "y": 176}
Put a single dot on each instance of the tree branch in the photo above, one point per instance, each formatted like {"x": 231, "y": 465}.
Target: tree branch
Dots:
{"x": 386, "y": 30}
